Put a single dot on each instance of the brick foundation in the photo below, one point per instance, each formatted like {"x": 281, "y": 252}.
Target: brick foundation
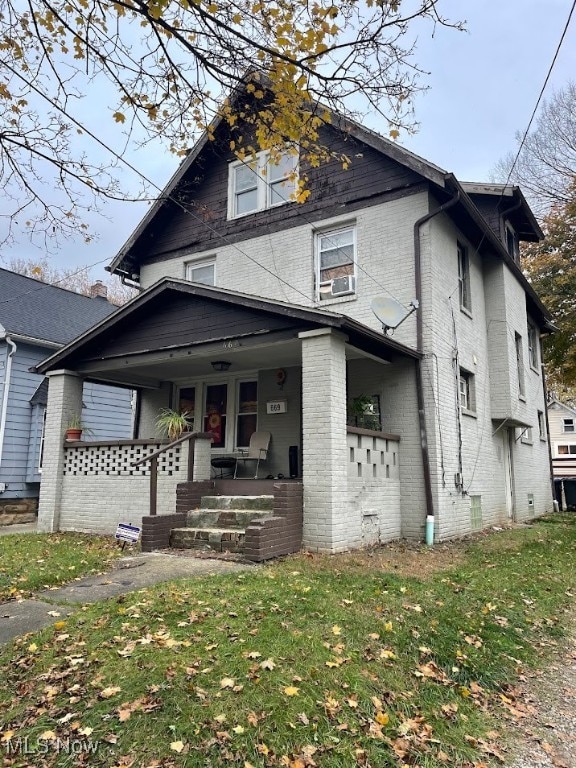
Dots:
{"x": 188, "y": 494}
{"x": 281, "y": 533}
{"x": 156, "y": 530}
{"x": 16, "y": 511}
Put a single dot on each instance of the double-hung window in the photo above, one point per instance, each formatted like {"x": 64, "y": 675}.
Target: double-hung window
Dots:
{"x": 262, "y": 182}
{"x": 568, "y": 425}
{"x": 467, "y": 391}
{"x": 202, "y": 271}
{"x": 464, "y": 278}
{"x": 335, "y": 263}
{"x": 532, "y": 345}
{"x": 520, "y": 365}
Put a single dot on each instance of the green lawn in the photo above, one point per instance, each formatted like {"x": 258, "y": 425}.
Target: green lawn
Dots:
{"x": 29, "y": 562}
{"x": 315, "y": 661}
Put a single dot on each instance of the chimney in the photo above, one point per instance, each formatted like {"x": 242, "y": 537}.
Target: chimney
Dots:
{"x": 98, "y": 290}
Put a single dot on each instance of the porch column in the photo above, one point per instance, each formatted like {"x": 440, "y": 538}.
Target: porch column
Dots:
{"x": 202, "y": 456}
{"x": 329, "y": 525}
{"x": 64, "y": 400}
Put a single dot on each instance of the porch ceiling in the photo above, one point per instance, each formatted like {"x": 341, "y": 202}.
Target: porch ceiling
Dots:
{"x": 176, "y": 328}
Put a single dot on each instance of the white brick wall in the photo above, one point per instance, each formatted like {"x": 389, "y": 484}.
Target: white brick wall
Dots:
{"x": 97, "y": 503}
{"x": 329, "y": 524}
{"x": 385, "y": 241}
{"x": 374, "y": 487}
{"x": 64, "y": 400}
{"x": 482, "y": 342}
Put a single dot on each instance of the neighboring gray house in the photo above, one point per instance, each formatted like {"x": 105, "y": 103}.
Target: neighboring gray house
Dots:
{"x": 256, "y": 314}
{"x": 37, "y": 319}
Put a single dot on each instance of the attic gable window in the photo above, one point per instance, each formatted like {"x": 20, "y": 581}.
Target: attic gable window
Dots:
{"x": 261, "y": 183}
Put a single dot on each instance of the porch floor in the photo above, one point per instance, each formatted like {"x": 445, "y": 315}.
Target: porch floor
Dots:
{"x": 249, "y": 487}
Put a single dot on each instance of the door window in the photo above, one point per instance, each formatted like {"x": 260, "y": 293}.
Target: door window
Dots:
{"x": 215, "y": 414}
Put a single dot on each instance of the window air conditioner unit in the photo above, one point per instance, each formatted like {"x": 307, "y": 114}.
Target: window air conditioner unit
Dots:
{"x": 343, "y": 285}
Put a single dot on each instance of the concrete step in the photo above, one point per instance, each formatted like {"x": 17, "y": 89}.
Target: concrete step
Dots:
{"x": 223, "y": 518}
{"x": 237, "y": 502}
{"x": 214, "y": 539}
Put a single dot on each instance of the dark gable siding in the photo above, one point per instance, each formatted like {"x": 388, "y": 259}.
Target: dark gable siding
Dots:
{"x": 175, "y": 320}
{"x": 370, "y": 178}
{"x": 488, "y": 207}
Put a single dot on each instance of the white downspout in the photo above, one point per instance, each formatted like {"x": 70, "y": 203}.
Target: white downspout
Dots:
{"x": 7, "y": 377}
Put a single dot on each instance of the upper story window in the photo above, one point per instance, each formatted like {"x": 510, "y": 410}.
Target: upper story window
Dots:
{"x": 532, "y": 345}
{"x": 568, "y": 425}
{"x": 541, "y": 425}
{"x": 464, "y": 278}
{"x": 202, "y": 271}
{"x": 520, "y": 365}
{"x": 260, "y": 183}
{"x": 512, "y": 243}
{"x": 335, "y": 263}
{"x": 467, "y": 391}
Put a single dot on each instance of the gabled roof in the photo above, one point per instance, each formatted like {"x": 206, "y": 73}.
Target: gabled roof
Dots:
{"x": 556, "y": 404}
{"x": 359, "y": 334}
{"x": 509, "y": 200}
{"x": 46, "y": 313}
{"x": 372, "y": 139}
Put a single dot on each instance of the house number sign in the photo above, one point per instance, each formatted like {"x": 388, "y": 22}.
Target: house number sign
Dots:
{"x": 277, "y": 406}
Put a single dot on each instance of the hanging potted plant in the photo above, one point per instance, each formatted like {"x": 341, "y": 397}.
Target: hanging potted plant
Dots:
{"x": 173, "y": 423}
{"x": 363, "y": 414}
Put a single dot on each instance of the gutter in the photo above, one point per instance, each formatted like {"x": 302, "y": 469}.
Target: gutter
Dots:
{"x": 419, "y": 374}
{"x": 6, "y": 390}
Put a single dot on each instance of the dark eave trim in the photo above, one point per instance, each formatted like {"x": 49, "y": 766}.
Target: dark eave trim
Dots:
{"x": 491, "y": 239}
{"x": 363, "y": 335}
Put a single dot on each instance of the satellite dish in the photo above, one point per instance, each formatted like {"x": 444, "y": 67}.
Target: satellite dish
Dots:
{"x": 390, "y": 312}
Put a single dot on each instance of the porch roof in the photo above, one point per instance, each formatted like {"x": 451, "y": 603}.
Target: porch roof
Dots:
{"x": 177, "y": 315}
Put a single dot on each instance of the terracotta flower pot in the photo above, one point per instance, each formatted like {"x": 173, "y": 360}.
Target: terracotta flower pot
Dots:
{"x": 73, "y": 434}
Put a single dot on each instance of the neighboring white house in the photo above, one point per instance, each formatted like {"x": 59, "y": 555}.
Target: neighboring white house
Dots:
{"x": 235, "y": 272}
{"x": 562, "y": 424}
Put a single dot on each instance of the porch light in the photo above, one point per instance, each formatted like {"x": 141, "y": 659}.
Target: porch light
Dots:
{"x": 220, "y": 365}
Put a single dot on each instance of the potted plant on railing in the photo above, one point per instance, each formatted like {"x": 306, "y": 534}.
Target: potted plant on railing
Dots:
{"x": 75, "y": 427}
{"x": 363, "y": 413}
{"x": 173, "y": 423}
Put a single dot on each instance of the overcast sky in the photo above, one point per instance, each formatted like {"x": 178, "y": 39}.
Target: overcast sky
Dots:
{"x": 483, "y": 85}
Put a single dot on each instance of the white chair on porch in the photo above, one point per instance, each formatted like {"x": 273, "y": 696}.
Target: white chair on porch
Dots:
{"x": 257, "y": 451}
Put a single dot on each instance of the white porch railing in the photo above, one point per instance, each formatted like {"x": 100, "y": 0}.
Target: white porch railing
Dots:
{"x": 101, "y": 487}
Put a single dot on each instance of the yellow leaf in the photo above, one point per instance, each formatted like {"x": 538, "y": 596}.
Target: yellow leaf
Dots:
{"x": 48, "y": 736}
{"x": 291, "y": 690}
{"x": 119, "y": 117}
{"x": 7, "y": 735}
{"x": 336, "y": 630}
{"x": 177, "y": 746}
{"x": 388, "y": 626}
{"x": 238, "y": 729}
{"x": 59, "y": 625}
{"x": 382, "y": 718}
{"x": 227, "y": 682}
{"x": 107, "y": 693}
{"x": 85, "y": 731}
{"x": 32, "y": 647}
{"x": 268, "y": 664}
{"x": 394, "y": 133}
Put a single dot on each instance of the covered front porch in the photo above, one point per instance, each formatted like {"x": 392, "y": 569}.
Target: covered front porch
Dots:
{"x": 238, "y": 365}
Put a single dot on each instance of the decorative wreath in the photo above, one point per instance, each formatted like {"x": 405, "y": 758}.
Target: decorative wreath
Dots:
{"x": 280, "y": 376}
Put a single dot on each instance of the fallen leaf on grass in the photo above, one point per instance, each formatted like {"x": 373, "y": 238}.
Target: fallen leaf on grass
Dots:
{"x": 291, "y": 690}
{"x": 107, "y": 693}
{"x": 227, "y": 682}
{"x": 177, "y": 746}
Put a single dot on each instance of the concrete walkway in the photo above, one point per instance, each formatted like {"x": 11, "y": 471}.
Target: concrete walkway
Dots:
{"x": 128, "y": 575}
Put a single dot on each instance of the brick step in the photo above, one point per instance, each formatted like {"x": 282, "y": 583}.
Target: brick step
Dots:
{"x": 223, "y": 518}
{"x": 258, "y": 503}
{"x": 215, "y": 539}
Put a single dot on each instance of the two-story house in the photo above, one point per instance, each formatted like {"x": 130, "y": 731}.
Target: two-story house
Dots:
{"x": 256, "y": 314}
{"x": 562, "y": 425}
{"x": 35, "y": 319}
